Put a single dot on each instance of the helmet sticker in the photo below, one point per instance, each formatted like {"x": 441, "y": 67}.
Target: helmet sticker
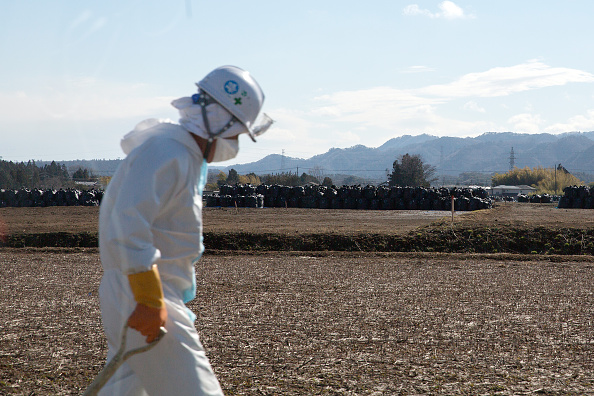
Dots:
{"x": 231, "y": 87}
{"x": 238, "y": 99}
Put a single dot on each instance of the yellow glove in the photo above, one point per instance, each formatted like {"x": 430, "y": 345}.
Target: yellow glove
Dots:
{"x": 150, "y": 312}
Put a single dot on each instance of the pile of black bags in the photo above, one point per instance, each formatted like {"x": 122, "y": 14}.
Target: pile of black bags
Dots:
{"x": 40, "y": 198}
{"x": 577, "y": 197}
{"x": 350, "y": 197}
{"x": 535, "y": 198}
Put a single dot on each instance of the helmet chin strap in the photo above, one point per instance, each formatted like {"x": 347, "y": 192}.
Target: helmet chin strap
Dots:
{"x": 203, "y": 100}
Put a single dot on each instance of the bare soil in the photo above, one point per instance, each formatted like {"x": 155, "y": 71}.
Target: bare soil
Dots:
{"x": 77, "y": 219}
{"x": 513, "y": 214}
{"x": 326, "y": 322}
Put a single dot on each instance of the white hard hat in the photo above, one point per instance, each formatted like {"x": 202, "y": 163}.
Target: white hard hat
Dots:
{"x": 237, "y": 91}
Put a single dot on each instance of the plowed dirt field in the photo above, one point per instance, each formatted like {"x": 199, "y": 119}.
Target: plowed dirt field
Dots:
{"x": 324, "y": 322}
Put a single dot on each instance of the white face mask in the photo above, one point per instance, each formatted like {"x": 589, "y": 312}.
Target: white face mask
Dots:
{"x": 225, "y": 149}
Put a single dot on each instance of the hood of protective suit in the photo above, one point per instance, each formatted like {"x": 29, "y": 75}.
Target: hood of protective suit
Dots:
{"x": 154, "y": 127}
{"x": 191, "y": 120}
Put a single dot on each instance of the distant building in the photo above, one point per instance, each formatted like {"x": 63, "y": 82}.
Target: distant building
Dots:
{"x": 88, "y": 183}
{"x": 512, "y": 191}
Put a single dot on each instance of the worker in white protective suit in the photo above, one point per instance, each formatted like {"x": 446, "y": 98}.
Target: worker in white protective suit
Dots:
{"x": 150, "y": 233}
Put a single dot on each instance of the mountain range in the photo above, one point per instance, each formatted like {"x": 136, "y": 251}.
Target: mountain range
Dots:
{"x": 488, "y": 153}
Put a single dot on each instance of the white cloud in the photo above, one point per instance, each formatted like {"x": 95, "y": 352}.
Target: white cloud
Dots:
{"x": 503, "y": 81}
{"x": 83, "y": 99}
{"x": 384, "y": 111}
{"x": 297, "y": 128}
{"x": 417, "y": 69}
{"x": 382, "y": 106}
{"x": 414, "y": 9}
{"x": 378, "y": 107}
{"x": 421, "y": 110}
{"x": 526, "y": 123}
{"x": 288, "y": 125}
{"x": 448, "y": 10}
{"x": 473, "y": 106}
{"x": 581, "y": 123}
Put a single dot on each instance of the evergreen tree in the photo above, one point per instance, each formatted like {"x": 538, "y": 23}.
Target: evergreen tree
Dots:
{"x": 282, "y": 179}
{"x": 19, "y": 175}
{"x": 305, "y": 178}
{"x": 233, "y": 177}
{"x": 410, "y": 171}
{"x": 29, "y": 175}
{"x": 81, "y": 174}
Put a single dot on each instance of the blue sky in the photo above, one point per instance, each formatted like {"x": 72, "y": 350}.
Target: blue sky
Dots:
{"x": 76, "y": 76}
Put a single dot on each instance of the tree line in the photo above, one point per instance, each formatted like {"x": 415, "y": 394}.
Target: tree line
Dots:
{"x": 410, "y": 170}
{"x": 407, "y": 171}
{"x": 29, "y": 175}
{"x": 283, "y": 178}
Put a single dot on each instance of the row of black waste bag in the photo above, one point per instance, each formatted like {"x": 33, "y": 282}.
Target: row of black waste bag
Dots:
{"x": 577, "y": 197}
{"x": 537, "y": 198}
{"x": 350, "y": 197}
{"x": 40, "y": 198}
{"x": 345, "y": 197}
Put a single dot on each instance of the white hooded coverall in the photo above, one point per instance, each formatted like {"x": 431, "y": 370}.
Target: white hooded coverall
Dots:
{"x": 152, "y": 214}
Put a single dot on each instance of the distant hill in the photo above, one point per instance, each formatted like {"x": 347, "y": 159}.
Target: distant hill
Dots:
{"x": 487, "y": 153}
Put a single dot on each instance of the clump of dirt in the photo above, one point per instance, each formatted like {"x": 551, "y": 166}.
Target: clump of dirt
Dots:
{"x": 435, "y": 238}
{"x": 502, "y": 239}
{"x": 445, "y": 239}
{"x": 52, "y": 239}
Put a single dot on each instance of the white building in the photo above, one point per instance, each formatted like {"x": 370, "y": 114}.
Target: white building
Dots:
{"x": 512, "y": 191}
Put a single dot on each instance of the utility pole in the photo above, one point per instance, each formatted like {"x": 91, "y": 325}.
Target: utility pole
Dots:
{"x": 555, "y": 179}
{"x": 283, "y": 161}
{"x": 512, "y": 160}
